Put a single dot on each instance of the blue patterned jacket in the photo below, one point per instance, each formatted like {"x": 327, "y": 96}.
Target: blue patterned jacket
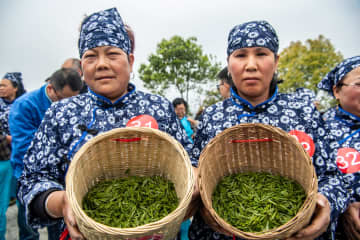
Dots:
{"x": 4, "y": 116}
{"x": 59, "y": 137}
{"x": 345, "y": 133}
{"x": 287, "y": 112}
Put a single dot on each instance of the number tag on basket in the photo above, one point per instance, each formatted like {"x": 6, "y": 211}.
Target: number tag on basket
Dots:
{"x": 143, "y": 121}
{"x": 305, "y": 140}
{"x": 348, "y": 160}
{"x": 152, "y": 237}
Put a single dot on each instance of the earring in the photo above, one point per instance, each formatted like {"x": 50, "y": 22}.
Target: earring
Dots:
{"x": 228, "y": 74}
{"x": 132, "y": 75}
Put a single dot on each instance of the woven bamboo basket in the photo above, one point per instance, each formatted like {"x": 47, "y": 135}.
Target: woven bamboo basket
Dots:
{"x": 146, "y": 152}
{"x": 256, "y": 148}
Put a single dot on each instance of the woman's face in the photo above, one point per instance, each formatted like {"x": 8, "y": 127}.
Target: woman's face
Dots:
{"x": 180, "y": 110}
{"x": 7, "y": 90}
{"x": 224, "y": 89}
{"x": 349, "y": 93}
{"x": 107, "y": 71}
{"x": 252, "y": 70}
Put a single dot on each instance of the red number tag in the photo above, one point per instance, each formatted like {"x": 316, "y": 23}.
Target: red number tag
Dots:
{"x": 305, "y": 140}
{"x": 348, "y": 160}
{"x": 143, "y": 121}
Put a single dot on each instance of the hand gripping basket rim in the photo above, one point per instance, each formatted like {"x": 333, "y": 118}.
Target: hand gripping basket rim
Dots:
{"x": 296, "y": 223}
{"x": 153, "y": 227}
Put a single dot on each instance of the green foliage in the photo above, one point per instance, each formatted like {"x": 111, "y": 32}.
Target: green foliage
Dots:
{"x": 304, "y": 65}
{"x": 212, "y": 96}
{"x": 179, "y": 63}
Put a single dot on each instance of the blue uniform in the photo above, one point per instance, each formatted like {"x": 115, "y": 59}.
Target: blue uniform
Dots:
{"x": 25, "y": 117}
{"x": 345, "y": 133}
{"x": 61, "y": 135}
{"x": 4, "y": 116}
{"x": 283, "y": 111}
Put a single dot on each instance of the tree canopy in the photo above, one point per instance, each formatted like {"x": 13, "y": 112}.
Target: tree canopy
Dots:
{"x": 179, "y": 63}
{"x": 304, "y": 65}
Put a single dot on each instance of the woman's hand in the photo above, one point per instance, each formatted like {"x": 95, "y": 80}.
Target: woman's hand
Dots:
{"x": 352, "y": 217}
{"x": 319, "y": 223}
{"x": 58, "y": 206}
{"x": 193, "y": 122}
{"x": 8, "y": 139}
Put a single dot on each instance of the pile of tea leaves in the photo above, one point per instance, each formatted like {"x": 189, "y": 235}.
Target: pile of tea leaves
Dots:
{"x": 131, "y": 201}
{"x": 257, "y": 202}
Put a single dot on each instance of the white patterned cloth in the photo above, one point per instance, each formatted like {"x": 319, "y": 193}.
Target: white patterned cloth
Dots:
{"x": 337, "y": 73}
{"x": 345, "y": 133}
{"x": 253, "y": 34}
{"x": 104, "y": 28}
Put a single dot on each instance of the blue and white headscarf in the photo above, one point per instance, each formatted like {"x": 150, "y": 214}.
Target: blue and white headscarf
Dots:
{"x": 15, "y": 77}
{"x": 253, "y": 34}
{"x": 104, "y": 28}
{"x": 338, "y": 73}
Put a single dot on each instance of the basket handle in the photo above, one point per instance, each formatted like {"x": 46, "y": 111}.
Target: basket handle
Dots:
{"x": 250, "y": 140}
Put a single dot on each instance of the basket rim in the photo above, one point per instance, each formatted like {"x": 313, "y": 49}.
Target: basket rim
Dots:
{"x": 153, "y": 226}
{"x": 306, "y": 206}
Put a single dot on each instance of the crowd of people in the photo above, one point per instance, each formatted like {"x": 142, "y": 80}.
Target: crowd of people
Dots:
{"x": 43, "y": 129}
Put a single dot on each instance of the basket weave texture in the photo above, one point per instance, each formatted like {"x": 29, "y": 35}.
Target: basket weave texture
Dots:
{"x": 146, "y": 152}
{"x": 256, "y": 147}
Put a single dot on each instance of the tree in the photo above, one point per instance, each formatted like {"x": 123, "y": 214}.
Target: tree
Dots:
{"x": 179, "y": 63}
{"x": 212, "y": 96}
{"x": 304, "y": 65}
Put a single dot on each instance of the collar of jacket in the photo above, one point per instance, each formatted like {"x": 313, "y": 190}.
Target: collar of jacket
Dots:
{"x": 348, "y": 118}
{"x": 106, "y": 103}
{"x": 247, "y": 106}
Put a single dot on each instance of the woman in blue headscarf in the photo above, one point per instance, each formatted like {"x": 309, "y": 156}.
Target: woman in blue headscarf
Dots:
{"x": 252, "y": 62}
{"x": 11, "y": 87}
{"x": 111, "y": 102}
{"x": 343, "y": 82}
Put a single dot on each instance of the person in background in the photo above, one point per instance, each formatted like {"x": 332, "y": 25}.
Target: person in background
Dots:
{"x": 111, "y": 102}
{"x": 25, "y": 117}
{"x": 343, "y": 83}
{"x": 181, "y": 108}
{"x": 252, "y": 62}
{"x": 225, "y": 83}
{"x": 74, "y": 63}
{"x": 11, "y": 87}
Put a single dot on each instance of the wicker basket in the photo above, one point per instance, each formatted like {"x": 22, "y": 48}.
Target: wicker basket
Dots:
{"x": 256, "y": 148}
{"x": 146, "y": 152}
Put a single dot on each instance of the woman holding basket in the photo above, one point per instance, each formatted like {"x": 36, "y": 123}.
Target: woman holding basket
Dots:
{"x": 343, "y": 82}
{"x": 252, "y": 62}
{"x": 111, "y": 102}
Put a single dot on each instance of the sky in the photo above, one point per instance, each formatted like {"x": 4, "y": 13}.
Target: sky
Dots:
{"x": 37, "y": 36}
